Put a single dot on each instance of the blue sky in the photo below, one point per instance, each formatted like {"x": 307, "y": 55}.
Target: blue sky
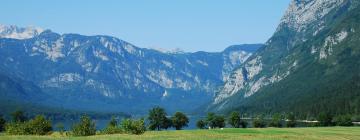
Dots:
{"x": 192, "y": 25}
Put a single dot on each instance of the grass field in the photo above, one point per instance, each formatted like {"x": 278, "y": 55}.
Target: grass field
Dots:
{"x": 324, "y": 133}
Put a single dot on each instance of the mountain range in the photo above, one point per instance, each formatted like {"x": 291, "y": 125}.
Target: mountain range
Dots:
{"x": 309, "y": 65}
{"x": 103, "y": 73}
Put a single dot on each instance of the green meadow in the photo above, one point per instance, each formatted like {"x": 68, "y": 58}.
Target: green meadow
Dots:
{"x": 313, "y": 133}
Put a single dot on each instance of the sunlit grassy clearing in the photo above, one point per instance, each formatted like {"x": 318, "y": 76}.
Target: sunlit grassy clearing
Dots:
{"x": 327, "y": 133}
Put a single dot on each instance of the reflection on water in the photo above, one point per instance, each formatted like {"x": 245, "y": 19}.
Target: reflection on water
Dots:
{"x": 102, "y": 123}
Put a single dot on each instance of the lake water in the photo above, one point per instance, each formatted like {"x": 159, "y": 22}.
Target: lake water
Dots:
{"x": 102, "y": 123}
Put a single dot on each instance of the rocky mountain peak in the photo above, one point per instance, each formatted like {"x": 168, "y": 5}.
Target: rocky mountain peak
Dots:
{"x": 11, "y": 31}
{"x": 303, "y": 12}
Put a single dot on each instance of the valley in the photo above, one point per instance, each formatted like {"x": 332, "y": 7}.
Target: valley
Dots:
{"x": 302, "y": 83}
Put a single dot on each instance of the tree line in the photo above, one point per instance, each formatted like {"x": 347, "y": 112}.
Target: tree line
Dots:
{"x": 157, "y": 119}
{"x": 20, "y": 124}
{"x": 277, "y": 120}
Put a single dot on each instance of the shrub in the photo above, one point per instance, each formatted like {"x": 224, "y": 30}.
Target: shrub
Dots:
{"x": 243, "y": 123}
{"x": 356, "y": 118}
{"x": 39, "y": 125}
{"x": 138, "y": 127}
{"x": 344, "y": 120}
{"x": 259, "y": 122}
{"x": 325, "y": 119}
{"x": 276, "y": 121}
{"x": 18, "y": 128}
{"x": 201, "y": 124}
{"x": 291, "y": 121}
{"x": 312, "y": 124}
{"x": 134, "y": 126}
{"x": 126, "y": 124}
{"x": 112, "y": 128}
{"x": 86, "y": 127}
{"x": 113, "y": 122}
{"x": 60, "y": 127}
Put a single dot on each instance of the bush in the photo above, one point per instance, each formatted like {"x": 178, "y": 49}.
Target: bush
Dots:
{"x": 133, "y": 126}
{"x": 259, "y": 122}
{"x": 356, "y": 118}
{"x": 39, "y": 125}
{"x": 112, "y": 128}
{"x": 113, "y": 122}
{"x": 2, "y": 124}
{"x": 291, "y": 121}
{"x": 60, "y": 127}
{"x": 312, "y": 124}
{"x": 201, "y": 124}
{"x": 276, "y": 121}
{"x": 18, "y": 128}
{"x": 243, "y": 123}
{"x": 126, "y": 124}
{"x": 344, "y": 120}
{"x": 86, "y": 127}
{"x": 325, "y": 119}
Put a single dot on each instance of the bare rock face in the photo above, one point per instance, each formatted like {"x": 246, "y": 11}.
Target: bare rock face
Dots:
{"x": 19, "y": 33}
{"x": 304, "y": 21}
{"x": 95, "y": 71}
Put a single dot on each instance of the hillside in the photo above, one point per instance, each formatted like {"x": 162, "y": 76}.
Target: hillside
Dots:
{"x": 309, "y": 65}
{"x": 103, "y": 73}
